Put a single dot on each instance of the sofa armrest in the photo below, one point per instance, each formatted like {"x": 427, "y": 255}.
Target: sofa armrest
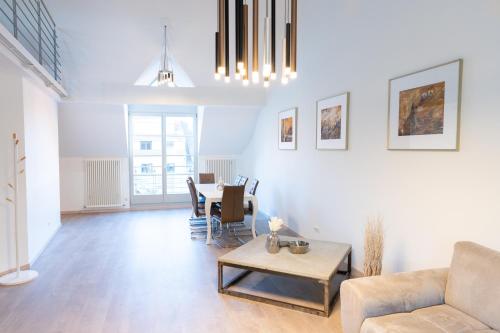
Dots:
{"x": 382, "y": 295}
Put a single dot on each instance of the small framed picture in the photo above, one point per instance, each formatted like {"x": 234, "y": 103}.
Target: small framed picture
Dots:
{"x": 424, "y": 109}
{"x": 331, "y": 122}
{"x": 288, "y": 129}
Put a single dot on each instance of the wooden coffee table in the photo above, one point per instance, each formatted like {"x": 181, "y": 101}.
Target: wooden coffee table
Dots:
{"x": 321, "y": 264}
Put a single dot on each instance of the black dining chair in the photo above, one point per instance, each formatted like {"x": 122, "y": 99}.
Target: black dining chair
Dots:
{"x": 243, "y": 181}
{"x": 237, "y": 180}
{"x": 198, "y": 221}
{"x": 230, "y": 215}
{"x": 252, "y": 191}
{"x": 207, "y": 178}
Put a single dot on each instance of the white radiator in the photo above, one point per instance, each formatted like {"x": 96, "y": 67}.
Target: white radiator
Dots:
{"x": 103, "y": 183}
{"x": 222, "y": 168}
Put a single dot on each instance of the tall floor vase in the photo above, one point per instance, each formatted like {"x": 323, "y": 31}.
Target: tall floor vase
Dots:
{"x": 19, "y": 276}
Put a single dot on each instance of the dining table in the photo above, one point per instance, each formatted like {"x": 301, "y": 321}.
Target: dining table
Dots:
{"x": 214, "y": 195}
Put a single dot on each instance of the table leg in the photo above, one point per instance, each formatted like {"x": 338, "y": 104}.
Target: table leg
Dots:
{"x": 255, "y": 204}
{"x": 347, "y": 272}
{"x": 326, "y": 295}
{"x": 208, "y": 210}
{"x": 349, "y": 265}
{"x": 220, "y": 277}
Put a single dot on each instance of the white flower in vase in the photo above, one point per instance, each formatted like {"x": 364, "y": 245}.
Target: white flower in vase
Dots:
{"x": 275, "y": 224}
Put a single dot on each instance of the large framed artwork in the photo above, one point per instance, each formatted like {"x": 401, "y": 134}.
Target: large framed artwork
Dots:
{"x": 424, "y": 109}
{"x": 288, "y": 129}
{"x": 331, "y": 122}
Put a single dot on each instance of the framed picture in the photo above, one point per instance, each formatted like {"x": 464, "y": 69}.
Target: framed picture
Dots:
{"x": 288, "y": 129}
{"x": 331, "y": 122}
{"x": 424, "y": 109}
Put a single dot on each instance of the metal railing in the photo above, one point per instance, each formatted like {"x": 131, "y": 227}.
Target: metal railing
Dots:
{"x": 30, "y": 22}
{"x": 149, "y": 180}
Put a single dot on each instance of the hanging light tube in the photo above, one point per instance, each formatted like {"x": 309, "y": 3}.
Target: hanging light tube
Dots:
{"x": 217, "y": 74}
{"x": 273, "y": 39}
{"x": 293, "y": 41}
{"x": 284, "y": 75}
{"x": 266, "y": 70}
{"x": 288, "y": 31}
{"x": 217, "y": 55}
{"x": 227, "y": 78}
{"x": 222, "y": 58}
{"x": 245, "y": 43}
{"x": 255, "y": 46}
{"x": 238, "y": 38}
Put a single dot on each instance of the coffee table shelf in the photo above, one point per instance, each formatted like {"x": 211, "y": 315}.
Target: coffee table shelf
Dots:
{"x": 319, "y": 266}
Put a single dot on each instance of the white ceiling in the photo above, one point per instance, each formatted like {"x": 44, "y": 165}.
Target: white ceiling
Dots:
{"x": 110, "y": 43}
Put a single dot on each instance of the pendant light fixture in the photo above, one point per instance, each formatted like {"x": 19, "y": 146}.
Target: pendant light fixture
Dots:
{"x": 221, "y": 44}
{"x": 285, "y": 71}
{"x": 227, "y": 77}
{"x": 166, "y": 73}
{"x": 267, "y": 67}
{"x": 242, "y": 69}
{"x": 245, "y": 44}
{"x": 217, "y": 56}
{"x": 255, "y": 44}
{"x": 284, "y": 76}
{"x": 239, "y": 39}
{"x": 273, "y": 39}
{"x": 293, "y": 41}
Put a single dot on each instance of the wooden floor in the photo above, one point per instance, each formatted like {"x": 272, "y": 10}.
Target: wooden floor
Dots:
{"x": 138, "y": 272}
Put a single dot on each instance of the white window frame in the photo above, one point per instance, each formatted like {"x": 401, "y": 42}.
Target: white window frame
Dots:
{"x": 164, "y": 198}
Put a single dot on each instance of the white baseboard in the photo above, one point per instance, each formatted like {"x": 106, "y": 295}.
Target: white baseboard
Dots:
{"x": 129, "y": 209}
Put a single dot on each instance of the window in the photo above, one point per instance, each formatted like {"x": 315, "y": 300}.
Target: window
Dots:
{"x": 170, "y": 167}
{"x": 146, "y": 145}
{"x": 163, "y": 154}
{"x": 147, "y": 168}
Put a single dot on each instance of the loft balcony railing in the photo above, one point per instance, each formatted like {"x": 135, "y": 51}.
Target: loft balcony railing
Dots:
{"x": 30, "y": 22}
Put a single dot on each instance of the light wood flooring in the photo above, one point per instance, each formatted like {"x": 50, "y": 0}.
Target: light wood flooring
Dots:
{"x": 139, "y": 272}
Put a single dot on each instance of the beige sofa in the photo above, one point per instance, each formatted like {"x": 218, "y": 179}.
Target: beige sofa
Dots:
{"x": 464, "y": 298}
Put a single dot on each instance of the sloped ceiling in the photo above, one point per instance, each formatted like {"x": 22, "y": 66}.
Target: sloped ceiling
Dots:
{"x": 226, "y": 130}
{"x": 107, "y": 44}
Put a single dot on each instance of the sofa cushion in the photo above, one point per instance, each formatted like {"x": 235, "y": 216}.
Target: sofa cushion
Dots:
{"x": 473, "y": 283}
{"x": 383, "y": 295}
{"x": 436, "y": 319}
{"x": 398, "y": 322}
{"x": 450, "y": 319}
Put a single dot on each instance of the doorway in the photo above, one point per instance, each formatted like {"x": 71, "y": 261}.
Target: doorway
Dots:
{"x": 163, "y": 153}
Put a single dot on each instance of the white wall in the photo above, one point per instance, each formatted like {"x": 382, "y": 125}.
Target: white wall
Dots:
{"x": 42, "y": 166}
{"x": 29, "y": 109}
{"x": 428, "y": 200}
{"x": 11, "y": 121}
{"x": 90, "y": 130}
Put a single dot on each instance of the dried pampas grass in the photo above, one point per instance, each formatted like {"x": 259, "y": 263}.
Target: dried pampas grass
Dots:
{"x": 374, "y": 247}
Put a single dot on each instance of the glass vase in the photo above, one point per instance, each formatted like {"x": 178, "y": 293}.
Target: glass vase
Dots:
{"x": 273, "y": 242}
